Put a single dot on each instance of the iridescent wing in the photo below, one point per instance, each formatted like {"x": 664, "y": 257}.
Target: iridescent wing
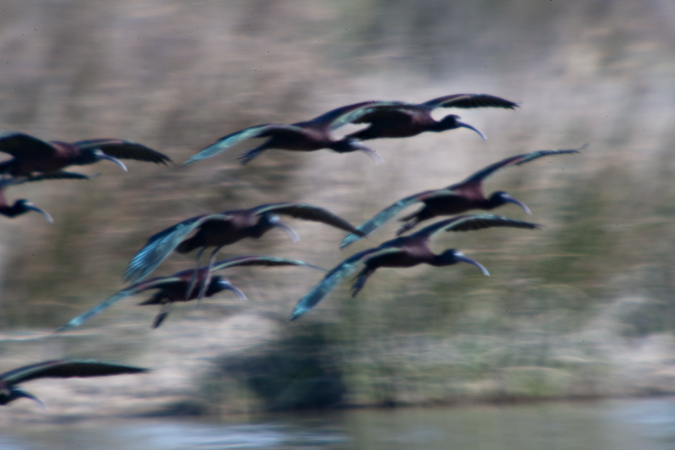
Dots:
{"x": 160, "y": 246}
{"x": 154, "y": 283}
{"x": 233, "y": 139}
{"x": 306, "y": 211}
{"x": 332, "y": 278}
{"x": 472, "y": 222}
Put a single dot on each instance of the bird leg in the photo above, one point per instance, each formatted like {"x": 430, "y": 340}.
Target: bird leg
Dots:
{"x": 361, "y": 278}
{"x": 191, "y": 286}
{"x": 207, "y": 279}
{"x": 408, "y": 226}
{"x": 245, "y": 158}
{"x": 159, "y": 318}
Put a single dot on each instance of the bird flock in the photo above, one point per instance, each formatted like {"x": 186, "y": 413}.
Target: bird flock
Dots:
{"x": 33, "y": 159}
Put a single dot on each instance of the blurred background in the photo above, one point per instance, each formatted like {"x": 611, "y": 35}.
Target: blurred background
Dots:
{"x": 582, "y": 308}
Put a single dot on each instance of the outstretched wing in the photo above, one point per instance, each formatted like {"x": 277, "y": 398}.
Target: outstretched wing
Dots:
{"x": 473, "y": 222}
{"x": 470, "y": 101}
{"x": 332, "y": 278}
{"x": 160, "y": 246}
{"x": 253, "y": 260}
{"x": 306, "y": 211}
{"x": 24, "y": 145}
{"x": 383, "y": 216}
{"x": 233, "y": 139}
{"x": 120, "y": 148}
{"x": 154, "y": 283}
{"x": 482, "y": 174}
{"x": 66, "y": 369}
{"x": 350, "y": 114}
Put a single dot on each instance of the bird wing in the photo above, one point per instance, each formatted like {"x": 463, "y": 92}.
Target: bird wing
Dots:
{"x": 120, "y": 148}
{"x": 387, "y": 111}
{"x": 306, "y": 211}
{"x": 233, "y": 139}
{"x": 332, "y": 278}
{"x": 66, "y": 369}
{"x": 472, "y": 222}
{"x": 347, "y": 114}
{"x": 153, "y": 283}
{"x": 469, "y": 101}
{"x": 160, "y": 246}
{"x": 482, "y": 174}
{"x": 24, "y": 145}
{"x": 261, "y": 261}
{"x": 383, "y": 216}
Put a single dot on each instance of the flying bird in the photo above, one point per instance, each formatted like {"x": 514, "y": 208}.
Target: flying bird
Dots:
{"x": 23, "y": 206}
{"x": 9, "y": 391}
{"x": 307, "y": 136}
{"x": 405, "y": 251}
{"x": 454, "y": 199}
{"x": 400, "y": 119}
{"x": 31, "y": 155}
{"x": 184, "y": 286}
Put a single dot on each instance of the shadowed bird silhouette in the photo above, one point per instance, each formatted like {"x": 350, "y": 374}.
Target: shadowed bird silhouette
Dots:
{"x": 177, "y": 287}
{"x": 405, "y": 251}
{"x": 228, "y": 227}
{"x": 400, "y": 119}
{"x": 23, "y": 206}
{"x": 454, "y": 199}
{"x": 32, "y": 155}
{"x": 311, "y": 135}
{"x": 9, "y": 391}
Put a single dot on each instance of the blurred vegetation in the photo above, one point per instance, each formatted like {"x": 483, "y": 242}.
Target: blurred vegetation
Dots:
{"x": 566, "y": 307}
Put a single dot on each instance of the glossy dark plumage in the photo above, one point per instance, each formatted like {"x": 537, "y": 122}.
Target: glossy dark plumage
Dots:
{"x": 184, "y": 286}
{"x": 9, "y": 391}
{"x": 23, "y": 206}
{"x": 35, "y": 156}
{"x": 314, "y": 134}
{"x": 405, "y": 251}
{"x": 454, "y": 199}
{"x": 228, "y": 227}
{"x": 400, "y": 119}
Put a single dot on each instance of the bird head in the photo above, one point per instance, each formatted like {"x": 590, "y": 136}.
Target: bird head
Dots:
{"x": 500, "y": 198}
{"x": 452, "y": 121}
{"x": 94, "y": 155}
{"x": 24, "y": 205}
{"x": 14, "y": 393}
{"x": 453, "y": 256}
{"x": 269, "y": 221}
{"x": 219, "y": 284}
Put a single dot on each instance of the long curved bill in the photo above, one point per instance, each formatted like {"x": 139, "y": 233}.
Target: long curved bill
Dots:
{"x": 24, "y": 394}
{"x": 372, "y": 154}
{"x": 227, "y": 285}
{"x": 471, "y": 127}
{"x": 290, "y": 231}
{"x": 510, "y": 199}
{"x": 115, "y": 160}
{"x": 461, "y": 257}
{"x": 46, "y": 215}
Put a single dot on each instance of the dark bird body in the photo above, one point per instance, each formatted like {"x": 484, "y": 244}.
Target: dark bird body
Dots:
{"x": 228, "y": 227}
{"x": 405, "y": 251}
{"x": 9, "y": 391}
{"x": 454, "y": 199}
{"x": 184, "y": 286}
{"x": 35, "y": 156}
{"x": 305, "y": 136}
{"x": 400, "y": 119}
